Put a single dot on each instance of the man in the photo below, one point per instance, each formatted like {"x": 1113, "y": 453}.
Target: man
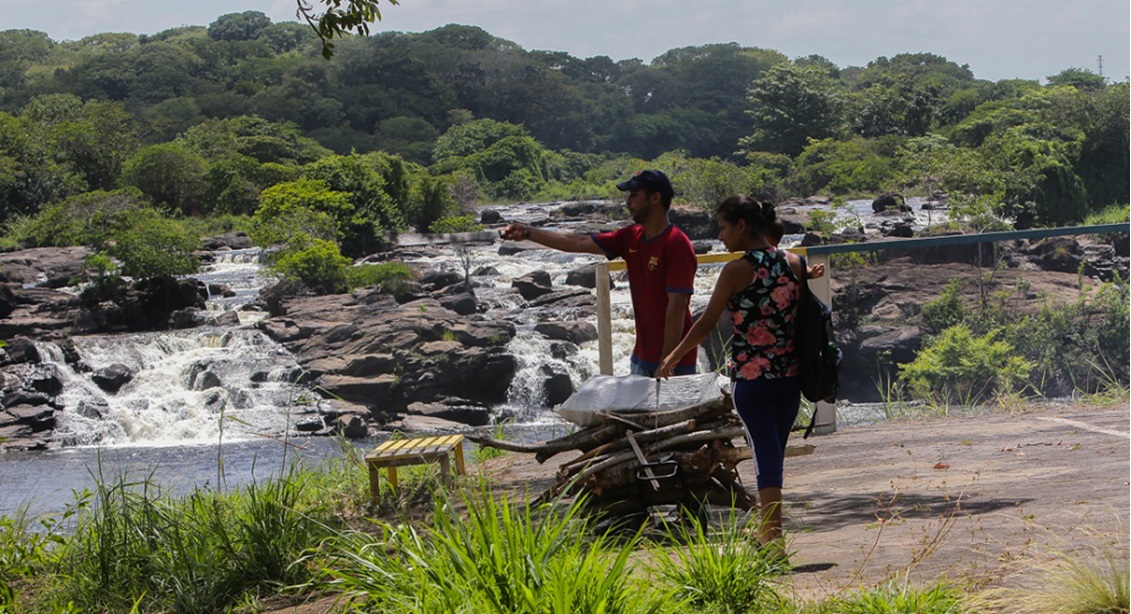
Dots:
{"x": 661, "y": 267}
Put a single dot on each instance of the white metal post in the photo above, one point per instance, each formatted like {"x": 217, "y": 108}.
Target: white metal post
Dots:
{"x": 604, "y": 320}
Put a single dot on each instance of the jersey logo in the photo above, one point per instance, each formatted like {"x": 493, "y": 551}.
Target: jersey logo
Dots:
{"x": 632, "y": 250}
{"x": 653, "y": 263}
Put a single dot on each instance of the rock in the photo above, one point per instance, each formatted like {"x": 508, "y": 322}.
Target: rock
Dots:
{"x": 7, "y": 301}
{"x": 351, "y": 426}
{"x": 226, "y": 319}
{"x": 51, "y": 267}
{"x": 440, "y": 279}
{"x": 463, "y": 303}
{"x": 26, "y": 397}
{"x": 227, "y": 241}
{"x": 368, "y": 391}
{"x": 221, "y": 290}
{"x": 698, "y": 224}
{"x": 93, "y": 409}
{"x": 22, "y": 350}
{"x": 39, "y": 417}
{"x": 533, "y": 285}
{"x": 46, "y": 378}
{"x": 899, "y": 229}
{"x": 1062, "y": 254}
{"x": 490, "y": 216}
{"x": 191, "y": 317}
{"x": 889, "y": 200}
{"x": 113, "y": 377}
{"x": 454, "y": 410}
{"x": 574, "y": 332}
{"x": 557, "y": 387}
{"x": 561, "y": 299}
{"x": 510, "y": 248}
{"x": 309, "y": 424}
{"x": 426, "y": 424}
{"x": 586, "y": 277}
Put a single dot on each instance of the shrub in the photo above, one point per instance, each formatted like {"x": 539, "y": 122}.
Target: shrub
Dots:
{"x": 86, "y": 219}
{"x": 1078, "y": 347}
{"x": 319, "y": 265}
{"x": 960, "y": 366}
{"x": 154, "y": 246}
{"x": 455, "y": 223}
{"x": 945, "y": 311}
{"x": 305, "y": 207}
{"x": 389, "y": 277}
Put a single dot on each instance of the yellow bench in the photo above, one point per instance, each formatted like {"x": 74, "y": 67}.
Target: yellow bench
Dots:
{"x": 402, "y": 452}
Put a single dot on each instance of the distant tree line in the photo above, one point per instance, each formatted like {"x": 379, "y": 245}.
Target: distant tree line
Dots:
{"x": 245, "y": 124}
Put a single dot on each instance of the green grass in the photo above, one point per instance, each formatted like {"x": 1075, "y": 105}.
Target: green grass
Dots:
{"x": 498, "y": 556}
{"x": 899, "y": 597}
{"x": 721, "y": 571}
{"x": 135, "y": 546}
{"x": 1068, "y": 584}
{"x": 310, "y": 531}
{"x": 1112, "y": 214}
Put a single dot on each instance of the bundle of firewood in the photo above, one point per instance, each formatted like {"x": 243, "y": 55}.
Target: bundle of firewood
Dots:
{"x": 631, "y": 460}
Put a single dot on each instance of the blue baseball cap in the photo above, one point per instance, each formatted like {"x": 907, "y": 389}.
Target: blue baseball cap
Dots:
{"x": 651, "y": 181}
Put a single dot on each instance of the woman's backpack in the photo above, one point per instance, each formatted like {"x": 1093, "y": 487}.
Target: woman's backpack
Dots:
{"x": 819, "y": 353}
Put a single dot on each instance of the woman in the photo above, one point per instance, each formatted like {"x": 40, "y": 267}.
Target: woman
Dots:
{"x": 762, "y": 291}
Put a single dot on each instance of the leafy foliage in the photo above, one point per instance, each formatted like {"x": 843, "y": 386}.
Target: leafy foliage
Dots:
{"x": 319, "y": 265}
{"x": 455, "y": 223}
{"x": 155, "y": 246}
{"x": 960, "y": 367}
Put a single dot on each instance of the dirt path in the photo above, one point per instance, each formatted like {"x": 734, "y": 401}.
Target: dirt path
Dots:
{"x": 973, "y": 500}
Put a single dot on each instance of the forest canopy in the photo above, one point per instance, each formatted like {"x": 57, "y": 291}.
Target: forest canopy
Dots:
{"x": 402, "y": 129}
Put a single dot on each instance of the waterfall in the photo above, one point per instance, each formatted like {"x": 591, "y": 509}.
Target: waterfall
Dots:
{"x": 189, "y": 387}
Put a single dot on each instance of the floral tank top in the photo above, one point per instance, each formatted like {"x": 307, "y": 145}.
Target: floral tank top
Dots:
{"x": 764, "y": 315}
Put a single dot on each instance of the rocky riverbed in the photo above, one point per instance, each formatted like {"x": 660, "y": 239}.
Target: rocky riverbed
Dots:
{"x": 437, "y": 356}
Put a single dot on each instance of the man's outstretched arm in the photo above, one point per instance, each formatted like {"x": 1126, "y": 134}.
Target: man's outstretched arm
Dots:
{"x": 563, "y": 241}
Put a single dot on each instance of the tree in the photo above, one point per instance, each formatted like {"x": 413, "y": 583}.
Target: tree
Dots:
{"x": 1078, "y": 78}
{"x": 245, "y": 26}
{"x": 474, "y": 136}
{"x": 298, "y": 212}
{"x": 790, "y": 105}
{"x": 169, "y": 175}
{"x": 371, "y": 214}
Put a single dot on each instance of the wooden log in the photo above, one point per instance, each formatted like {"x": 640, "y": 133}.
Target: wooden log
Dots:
{"x": 585, "y": 438}
{"x": 610, "y": 429}
{"x": 641, "y": 437}
{"x": 695, "y": 439}
{"x": 657, "y": 419}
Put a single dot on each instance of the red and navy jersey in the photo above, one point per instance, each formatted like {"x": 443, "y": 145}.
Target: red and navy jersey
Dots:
{"x": 665, "y": 263}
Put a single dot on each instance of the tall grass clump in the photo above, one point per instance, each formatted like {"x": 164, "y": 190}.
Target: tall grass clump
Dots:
{"x": 136, "y": 546}
{"x": 899, "y": 597}
{"x": 725, "y": 571}
{"x": 1069, "y": 584}
{"x": 25, "y": 551}
{"x": 494, "y": 557}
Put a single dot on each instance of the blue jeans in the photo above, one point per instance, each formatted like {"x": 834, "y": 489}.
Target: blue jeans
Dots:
{"x": 768, "y": 408}
{"x": 638, "y": 368}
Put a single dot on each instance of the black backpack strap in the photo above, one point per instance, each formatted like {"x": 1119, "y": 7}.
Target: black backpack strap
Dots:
{"x": 805, "y": 286}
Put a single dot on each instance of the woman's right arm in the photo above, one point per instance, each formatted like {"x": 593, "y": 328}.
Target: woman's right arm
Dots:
{"x": 735, "y": 276}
